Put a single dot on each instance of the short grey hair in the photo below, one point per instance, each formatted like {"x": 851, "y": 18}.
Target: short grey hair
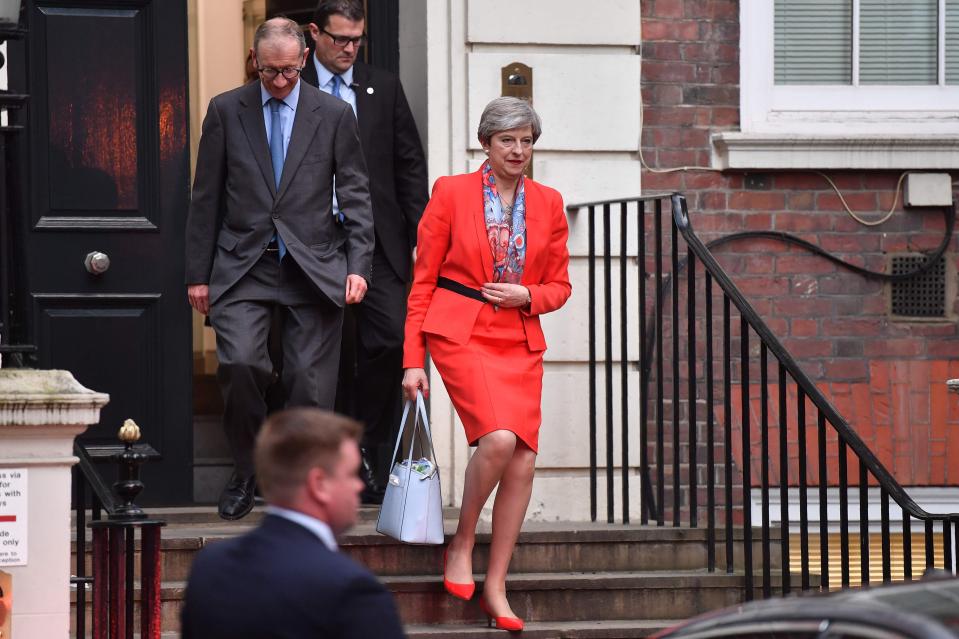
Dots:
{"x": 279, "y": 28}
{"x": 505, "y": 113}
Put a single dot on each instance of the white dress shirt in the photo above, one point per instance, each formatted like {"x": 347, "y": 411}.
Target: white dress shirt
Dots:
{"x": 314, "y": 525}
{"x": 287, "y": 112}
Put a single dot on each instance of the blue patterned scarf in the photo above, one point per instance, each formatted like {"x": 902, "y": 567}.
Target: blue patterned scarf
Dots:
{"x": 506, "y": 231}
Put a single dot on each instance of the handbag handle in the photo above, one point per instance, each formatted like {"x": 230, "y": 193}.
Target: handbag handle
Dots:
{"x": 421, "y": 414}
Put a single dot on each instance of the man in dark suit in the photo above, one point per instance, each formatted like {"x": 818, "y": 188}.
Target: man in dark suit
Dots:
{"x": 285, "y": 578}
{"x": 261, "y": 235}
{"x": 398, "y": 186}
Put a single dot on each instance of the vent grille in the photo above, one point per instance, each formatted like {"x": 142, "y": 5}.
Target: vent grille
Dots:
{"x": 923, "y": 295}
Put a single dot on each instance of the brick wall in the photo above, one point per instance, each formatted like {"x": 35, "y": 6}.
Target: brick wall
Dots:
{"x": 887, "y": 376}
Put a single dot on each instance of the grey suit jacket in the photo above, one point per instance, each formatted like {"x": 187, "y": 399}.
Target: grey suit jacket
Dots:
{"x": 236, "y": 207}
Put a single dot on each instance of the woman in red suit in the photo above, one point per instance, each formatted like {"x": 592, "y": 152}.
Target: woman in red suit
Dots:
{"x": 491, "y": 258}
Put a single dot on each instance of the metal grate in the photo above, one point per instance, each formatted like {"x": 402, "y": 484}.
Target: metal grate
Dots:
{"x": 923, "y": 295}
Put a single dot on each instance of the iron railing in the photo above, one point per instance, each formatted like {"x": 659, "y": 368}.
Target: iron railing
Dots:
{"x": 112, "y": 578}
{"x": 678, "y": 390}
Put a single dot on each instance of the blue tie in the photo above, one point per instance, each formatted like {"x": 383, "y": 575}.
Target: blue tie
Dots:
{"x": 335, "y": 92}
{"x": 276, "y": 156}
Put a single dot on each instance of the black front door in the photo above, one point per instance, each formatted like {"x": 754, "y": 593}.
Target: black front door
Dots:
{"x": 106, "y": 161}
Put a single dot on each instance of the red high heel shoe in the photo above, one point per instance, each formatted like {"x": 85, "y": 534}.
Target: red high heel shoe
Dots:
{"x": 460, "y": 591}
{"x": 513, "y": 624}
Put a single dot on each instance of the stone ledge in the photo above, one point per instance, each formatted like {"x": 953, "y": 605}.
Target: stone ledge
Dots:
{"x": 31, "y": 397}
{"x": 739, "y": 150}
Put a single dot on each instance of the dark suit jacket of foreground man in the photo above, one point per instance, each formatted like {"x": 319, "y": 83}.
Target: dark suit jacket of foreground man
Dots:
{"x": 236, "y": 206}
{"x": 279, "y": 581}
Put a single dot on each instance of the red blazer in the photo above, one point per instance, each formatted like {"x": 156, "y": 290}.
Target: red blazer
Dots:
{"x": 451, "y": 242}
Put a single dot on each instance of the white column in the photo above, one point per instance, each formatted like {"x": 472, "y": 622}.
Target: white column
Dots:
{"x": 41, "y": 412}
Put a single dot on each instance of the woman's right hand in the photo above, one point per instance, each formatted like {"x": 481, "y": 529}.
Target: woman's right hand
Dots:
{"x": 415, "y": 379}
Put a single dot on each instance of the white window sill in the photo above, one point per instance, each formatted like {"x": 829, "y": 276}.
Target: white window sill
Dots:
{"x": 738, "y": 150}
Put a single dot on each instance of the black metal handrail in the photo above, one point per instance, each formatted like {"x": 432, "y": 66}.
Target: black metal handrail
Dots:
{"x": 112, "y": 553}
{"x": 700, "y": 383}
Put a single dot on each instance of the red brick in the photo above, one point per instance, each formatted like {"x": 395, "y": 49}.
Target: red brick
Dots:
{"x": 894, "y": 348}
{"x": 675, "y": 158}
{"x": 863, "y": 203}
{"x": 661, "y": 181}
{"x": 938, "y": 403}
{"x": 711, "y": 95}
{"x": 758, "y": 264}
{"x": 803, "y": 264}
{"x": 668, "y": 8}
{"x": 933, "y": 223}
{"x": 668, "y": 71}
{"x": 846, "y": 369}
{"x": 800, "y": 327}
{"x": 880, "y": 180}
{"x": 850, "y": 243}
{"x": 852, "y": 327}
{"x": 797, "y": 180}
{"x": 919, "y": 410}
{"x": 894, "y": 243}
{"x": 759, "y": 222}
{"x": 758, "y": 200}
{"x": 800, "y": 200}
{"x": 662, "y": 51}
{"x": 663, "y": 137}
{"x": 716, "y": 201}
{"x": 808, "y": 348}
{"x": 674, "y": 116}
{"x": 724, "y": 117}
{"x": 706, "y": 180}
{"x": 661, "y": 95}
{"x": 809, "y": 222}
{"x": 712, "y": 9}
{"x": 763, "y": 286}
{"x": 919, "y": 374}
{"x": 805, "y": 285}
{"x": 694, "y": 138}
{"x": 674, "y": 30}
{"x": 724, "y": 74}
{"x": 711, "y": 52}
{"x": 720, "y": 31}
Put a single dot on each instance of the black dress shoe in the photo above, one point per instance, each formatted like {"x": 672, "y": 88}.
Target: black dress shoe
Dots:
{"x": 236, "y": 500}
{"x": 372, "y": 490}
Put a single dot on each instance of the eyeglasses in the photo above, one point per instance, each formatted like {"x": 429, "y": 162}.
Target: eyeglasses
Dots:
{"x": 342, "y": 41}
{"x": 289, "y": 73}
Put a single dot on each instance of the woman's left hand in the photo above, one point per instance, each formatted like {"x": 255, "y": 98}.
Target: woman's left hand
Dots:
{"x": 506, "y": 295}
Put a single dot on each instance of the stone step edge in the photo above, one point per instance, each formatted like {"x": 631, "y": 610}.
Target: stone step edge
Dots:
{"x": 172, "y": 590}
{"x": 186, "y": 538}
{"x": 611, "y": 629}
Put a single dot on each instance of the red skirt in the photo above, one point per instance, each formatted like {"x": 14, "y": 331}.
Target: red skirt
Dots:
{"x": 495, "y": 381}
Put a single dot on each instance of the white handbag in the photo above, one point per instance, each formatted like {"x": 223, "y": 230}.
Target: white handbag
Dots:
{"x": 412, "y": 509}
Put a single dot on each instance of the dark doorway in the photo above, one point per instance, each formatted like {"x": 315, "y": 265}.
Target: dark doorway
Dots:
{"x": 382, "y": 27}
{"x": 106, "y": 162}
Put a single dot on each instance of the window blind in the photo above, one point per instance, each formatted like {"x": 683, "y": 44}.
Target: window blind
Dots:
{"x": 952, "y": 41}
{"x": 813, "y": 41}
{"x": 898, "y": 41}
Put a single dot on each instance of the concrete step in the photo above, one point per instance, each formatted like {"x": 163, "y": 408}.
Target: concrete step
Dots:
{"x": 542, "y": 548}
{"x": 610, "y": 629}
{"x": 576, "y": 596}
{"x": 546, "y": 598}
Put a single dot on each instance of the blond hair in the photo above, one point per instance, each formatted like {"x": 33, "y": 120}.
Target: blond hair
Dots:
{"x": 292, "y": 442}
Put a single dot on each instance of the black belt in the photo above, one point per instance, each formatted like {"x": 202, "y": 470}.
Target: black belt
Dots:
{"x": 273, "y": 246}
{"x": 461, "y": 289}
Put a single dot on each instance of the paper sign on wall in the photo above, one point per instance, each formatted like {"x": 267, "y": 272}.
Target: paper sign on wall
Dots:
{"x": 13, "y": 516}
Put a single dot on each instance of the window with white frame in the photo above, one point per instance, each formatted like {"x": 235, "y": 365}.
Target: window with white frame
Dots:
{"x": 862, "y": 71}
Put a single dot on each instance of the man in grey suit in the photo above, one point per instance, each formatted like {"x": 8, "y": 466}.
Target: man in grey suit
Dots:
{"x": 261, "y": 235}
